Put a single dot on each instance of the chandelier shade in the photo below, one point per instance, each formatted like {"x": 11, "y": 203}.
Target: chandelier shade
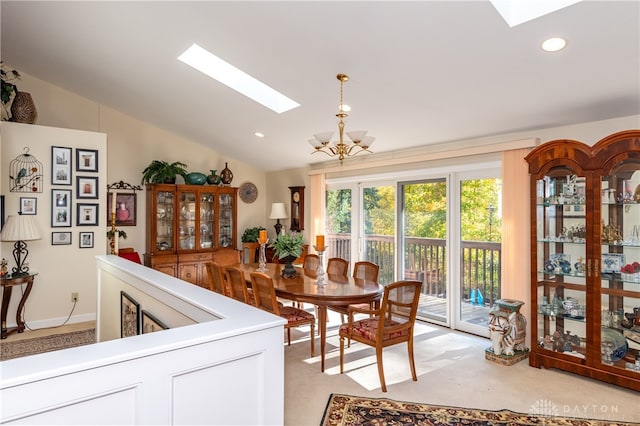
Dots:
{"x": 357, "y": 141}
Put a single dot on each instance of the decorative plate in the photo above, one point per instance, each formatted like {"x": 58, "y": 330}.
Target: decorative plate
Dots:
{"x": 248, "y": 192}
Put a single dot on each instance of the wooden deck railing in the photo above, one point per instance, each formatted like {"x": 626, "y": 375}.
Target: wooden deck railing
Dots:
{"x": 425, "y": 260}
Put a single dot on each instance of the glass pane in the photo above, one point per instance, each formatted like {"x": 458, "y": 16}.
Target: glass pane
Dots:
{"x": 620, "y": 268}
{"x": 164, "y": 221}
{"x": 226, "y": 221}
{"x": 338, "y": 226}
{"x": 480, "y": 248}
{"x": 561, "y": 263}
{"x": 378, "y": 207}
{"x": 424, "y": 233}
{"x": 206, "y": 220}
{"x": 187, "y": 220}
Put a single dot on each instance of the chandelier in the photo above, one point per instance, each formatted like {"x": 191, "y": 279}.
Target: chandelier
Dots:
{"x": 358, "y": 143}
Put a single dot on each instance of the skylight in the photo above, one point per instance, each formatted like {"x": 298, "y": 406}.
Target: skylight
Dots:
{"x": 216, "y": 68}
{"x": 516, "y": 12}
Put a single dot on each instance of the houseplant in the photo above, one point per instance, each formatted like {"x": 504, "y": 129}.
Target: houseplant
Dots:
{"x": 251, "y": 235}
{"x": 288, "y": 248}
{"x": 16, "y": 106}
{"x": 163, "y": 172}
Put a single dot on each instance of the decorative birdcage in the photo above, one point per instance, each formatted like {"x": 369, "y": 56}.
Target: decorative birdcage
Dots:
{"x": 25, "y": 173}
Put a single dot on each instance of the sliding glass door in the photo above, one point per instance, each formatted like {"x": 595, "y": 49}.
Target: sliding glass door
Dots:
{"x": 423, "y": 238}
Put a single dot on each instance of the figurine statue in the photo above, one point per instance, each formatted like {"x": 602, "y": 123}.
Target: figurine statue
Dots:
{"x": 3, "y": 268}
{"x": 507, "y": 332}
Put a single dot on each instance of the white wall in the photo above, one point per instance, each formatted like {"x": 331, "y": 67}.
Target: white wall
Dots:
{"x": 62, "y": 269}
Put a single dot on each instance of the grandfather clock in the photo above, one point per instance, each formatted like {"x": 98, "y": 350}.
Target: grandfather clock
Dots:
{"x": 297, "y": 208}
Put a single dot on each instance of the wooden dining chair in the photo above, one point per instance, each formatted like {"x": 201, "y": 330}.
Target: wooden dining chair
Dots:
{"x": 265, "y": 296}
{"x": 227, "y": 256}
{"x": 310, "y": 264}
{"x": 362, "y": 270}
{"x": 216, "y": 278}
{"x": 337, "y": 266}
{"x": 238, "y": 285}
{"x": 390, "y": 324}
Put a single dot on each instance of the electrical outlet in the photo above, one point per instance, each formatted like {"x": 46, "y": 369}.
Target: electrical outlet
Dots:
{"x": 75, "y": 297}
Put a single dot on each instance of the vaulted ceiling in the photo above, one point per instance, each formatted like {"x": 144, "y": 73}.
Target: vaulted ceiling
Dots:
{"x": 421, "y": 72}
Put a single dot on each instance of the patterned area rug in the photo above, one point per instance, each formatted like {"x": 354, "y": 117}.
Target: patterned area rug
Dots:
{"x": 36, "y": 345}
{"x": 348, "y": 410}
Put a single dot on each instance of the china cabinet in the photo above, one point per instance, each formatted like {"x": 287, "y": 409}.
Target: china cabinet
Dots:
{"x": 585, "y": 258}
{"x": 185, "y": 225}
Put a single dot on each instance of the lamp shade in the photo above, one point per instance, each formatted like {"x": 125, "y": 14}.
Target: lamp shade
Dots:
{"x": 278, "y": 211}
{"x": 19, "y": 228}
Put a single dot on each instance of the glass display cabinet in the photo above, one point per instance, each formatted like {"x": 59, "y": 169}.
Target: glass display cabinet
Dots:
{"x": 585, "y": 259}
{"x": 185, "y": 225}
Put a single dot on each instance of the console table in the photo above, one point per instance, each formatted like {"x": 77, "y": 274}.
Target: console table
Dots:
{"x": 8, "y": 282}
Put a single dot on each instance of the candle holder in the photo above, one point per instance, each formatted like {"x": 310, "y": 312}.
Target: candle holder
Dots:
{"x": 320, "y": 270}
{"x": 262, "y": 258}
{"x": 112, "y": 242}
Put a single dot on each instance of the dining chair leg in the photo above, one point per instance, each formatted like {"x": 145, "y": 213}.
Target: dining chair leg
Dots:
{"x": 341, "y": 354}
{"x": 412, "y": 364}
{"x": 383, "y": 385}
{"x": 312, "y": 337}
{"x": 288, "y": 336}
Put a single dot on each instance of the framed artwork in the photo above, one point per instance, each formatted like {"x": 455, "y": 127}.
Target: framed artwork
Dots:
{"x": 129, "y": 316}
{"x": 60, "y": 238}
{"x": 126, "y": 209}
{"x": 60, "y": 208}
{"x": 86, "y": 240}
{"x": 60, "y": 165}
{"x": 151, "y": 323}
{"x": 28, "y": 205}
{"x": 87, "y": 215}
{"x": 1, "y": 212}
{"x": 87, "y": 187}
{"x": 86, "y": 160}
{"x": 612, "y": 263}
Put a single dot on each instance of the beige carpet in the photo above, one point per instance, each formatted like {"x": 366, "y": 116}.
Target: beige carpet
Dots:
{"x": 347, "y": 410}
{"x": 30, "y": 346}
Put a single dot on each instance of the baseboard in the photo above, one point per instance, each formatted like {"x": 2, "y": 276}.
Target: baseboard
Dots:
{"x": 56, "y": 322}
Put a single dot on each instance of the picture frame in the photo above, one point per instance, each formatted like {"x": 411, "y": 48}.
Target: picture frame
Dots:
{"x": 85, "y": 240}
{"x": 28, "y": 205}
{"x": 129, "y": 316}
{"x": 60, "y": 238}
{"x": 60, "y": 165}
{"x": 60, "y": 208}
{"x": 86, "y": 160}
{"x": 612, "y": 263}
{"x": 151, "y": 324}
{"x": 87, "y": 187}
{"x": 87, "y": 214}
{"x": 126, "y": 209}
{"x": 1, "y": 212}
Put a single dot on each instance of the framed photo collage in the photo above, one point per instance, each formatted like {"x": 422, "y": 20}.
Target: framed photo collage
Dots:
{"x": 86, "y": 193}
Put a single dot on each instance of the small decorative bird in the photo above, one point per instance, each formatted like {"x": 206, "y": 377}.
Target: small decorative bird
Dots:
{"x": 22, "y": 173}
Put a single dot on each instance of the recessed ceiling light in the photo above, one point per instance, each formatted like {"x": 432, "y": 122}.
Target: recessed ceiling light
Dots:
{"x": 258, "y": 134}
{"x": 218, "y": 69}
{"x": 553, "y": 44}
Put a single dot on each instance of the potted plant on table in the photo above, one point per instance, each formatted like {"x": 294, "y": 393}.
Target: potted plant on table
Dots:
{"x": 250, "y": 241}
{"x": 163, "y": 172}
{"x": 288, "y": 248}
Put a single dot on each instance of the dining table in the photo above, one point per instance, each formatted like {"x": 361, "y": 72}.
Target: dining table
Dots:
{"x": 335, "y": 290}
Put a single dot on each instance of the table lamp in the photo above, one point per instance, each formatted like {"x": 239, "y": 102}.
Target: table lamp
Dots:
{"x": 278, "y": 212}
{"x": 20, "y": 229}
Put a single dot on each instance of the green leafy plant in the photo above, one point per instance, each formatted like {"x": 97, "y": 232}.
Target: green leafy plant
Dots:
{"x": 121, "y": 234}
{"x": 251, "y": 235}
{"x": 287, "y": 245}
{"x": 8, "y": 90}
{"x": 163, "y": 172}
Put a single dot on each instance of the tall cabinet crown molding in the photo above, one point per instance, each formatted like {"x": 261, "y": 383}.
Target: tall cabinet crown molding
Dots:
{"x": 185, "y": 225}
{"x": 585, "y": 297}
